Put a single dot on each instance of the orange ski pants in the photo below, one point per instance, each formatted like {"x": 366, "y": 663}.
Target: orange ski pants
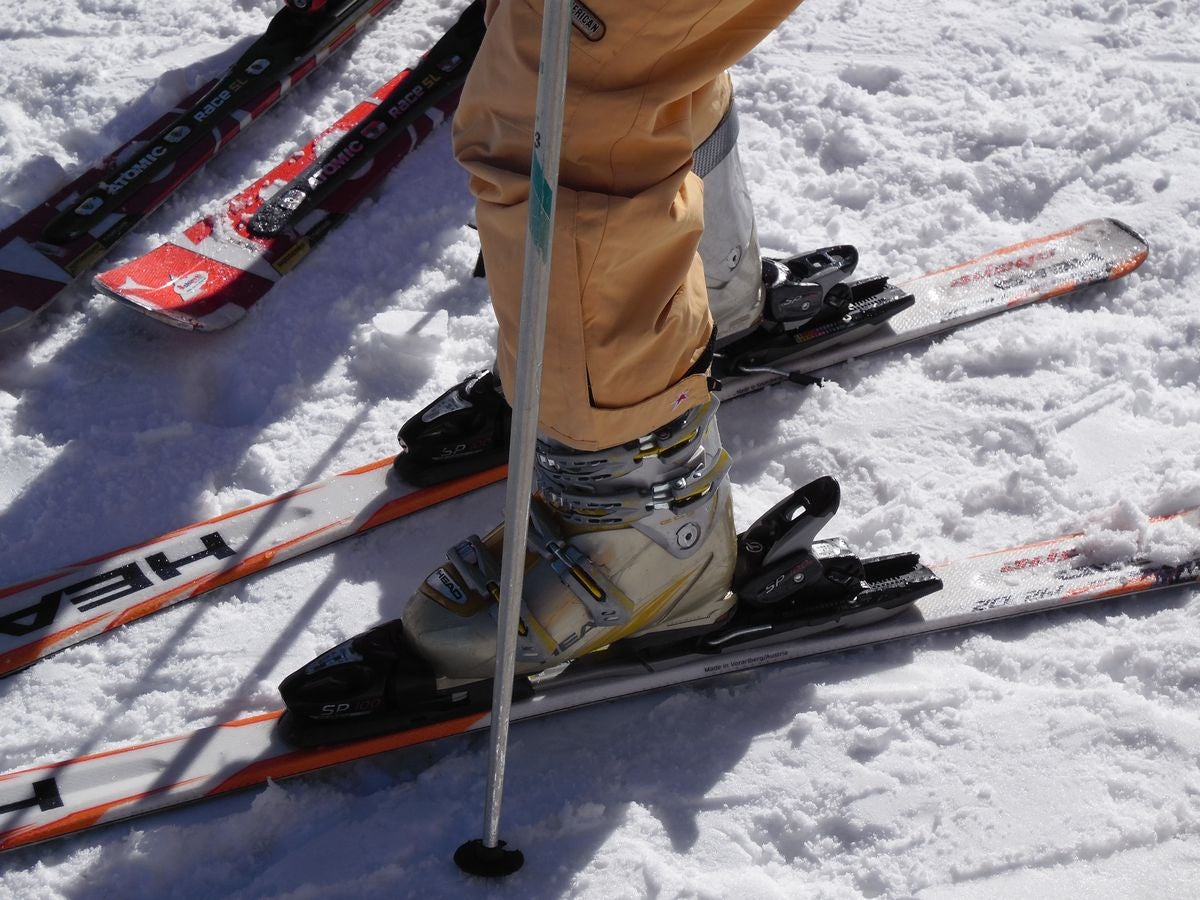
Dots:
{"x": 628, "y": 316}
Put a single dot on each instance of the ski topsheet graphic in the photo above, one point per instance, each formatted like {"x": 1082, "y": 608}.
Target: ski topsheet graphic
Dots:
{"x": 46, "y": 614}
{"x": 86, "y": 599}
{"x": 45, "y": 250}
{"x": 73, "y": 795}
{"x": 211, "y": 274}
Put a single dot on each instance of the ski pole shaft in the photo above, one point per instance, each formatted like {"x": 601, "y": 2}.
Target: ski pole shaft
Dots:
{"x": 488, "y": 857}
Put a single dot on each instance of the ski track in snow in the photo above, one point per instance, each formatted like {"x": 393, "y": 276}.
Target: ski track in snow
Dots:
{"x": 1054, "y": 756}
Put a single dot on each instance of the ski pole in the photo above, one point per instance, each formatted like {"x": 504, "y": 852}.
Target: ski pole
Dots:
{"x": 488, "y": 856}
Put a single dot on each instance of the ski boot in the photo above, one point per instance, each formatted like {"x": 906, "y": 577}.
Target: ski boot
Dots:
{"x": 789, "y": 585}
{"x": 807, "y": 302}
{"x": 633, "y": 542}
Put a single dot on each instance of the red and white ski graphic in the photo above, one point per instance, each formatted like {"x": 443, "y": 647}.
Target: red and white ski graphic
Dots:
{"x": 73, "y": 795}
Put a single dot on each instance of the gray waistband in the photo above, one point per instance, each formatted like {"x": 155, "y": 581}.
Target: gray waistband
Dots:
{"x": 717, "y": 145}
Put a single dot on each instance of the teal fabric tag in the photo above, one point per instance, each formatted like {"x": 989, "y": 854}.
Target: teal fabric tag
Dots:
{"x": 541, "y": 196}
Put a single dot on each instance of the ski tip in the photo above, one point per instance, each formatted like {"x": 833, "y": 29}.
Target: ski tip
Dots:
{"x": 183, "y": 288}
{"x": 1138, "y": 254}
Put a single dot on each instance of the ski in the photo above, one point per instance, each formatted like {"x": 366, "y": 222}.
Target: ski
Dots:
{"x": 45, "y": 250}
{"x": 73, "y": 795}
{"x": 209, "y": 276}
{"x": 1050, "y": 266}
{"x": 50, "y": 613}
{"x": 80, "y": 601}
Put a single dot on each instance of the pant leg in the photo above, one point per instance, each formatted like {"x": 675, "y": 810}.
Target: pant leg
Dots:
{"x": 628, "y": 311}
{"x": 729, "y": 248}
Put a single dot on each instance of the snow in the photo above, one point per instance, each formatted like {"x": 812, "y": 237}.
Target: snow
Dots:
{"x": 1054, "y": 756}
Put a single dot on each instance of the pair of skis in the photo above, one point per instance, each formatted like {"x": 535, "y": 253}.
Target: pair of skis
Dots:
{"x": 45, "y": 250}
{"x": 50, "y": 613}
{"x": 207, "y": 277}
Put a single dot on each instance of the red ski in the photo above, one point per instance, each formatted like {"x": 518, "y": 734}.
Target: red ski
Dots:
{"x": 211, "y": 274}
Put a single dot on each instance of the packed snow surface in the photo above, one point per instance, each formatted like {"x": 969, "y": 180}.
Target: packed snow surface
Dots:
{"x": 1048, "y": 757}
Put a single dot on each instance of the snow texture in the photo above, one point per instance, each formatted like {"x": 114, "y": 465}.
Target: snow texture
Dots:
{"x": 1049, "y": 757}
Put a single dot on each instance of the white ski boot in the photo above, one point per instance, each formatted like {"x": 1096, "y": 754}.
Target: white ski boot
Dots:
{"x": 634, "y": 541}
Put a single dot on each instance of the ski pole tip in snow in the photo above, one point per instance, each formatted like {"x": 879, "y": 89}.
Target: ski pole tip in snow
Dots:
{"x": 476, "y": 858}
